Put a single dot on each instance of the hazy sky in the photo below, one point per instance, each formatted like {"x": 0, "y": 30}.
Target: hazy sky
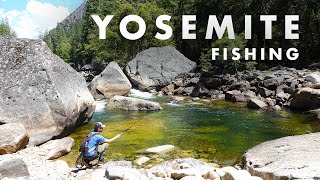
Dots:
{"x": 28, "y": 18}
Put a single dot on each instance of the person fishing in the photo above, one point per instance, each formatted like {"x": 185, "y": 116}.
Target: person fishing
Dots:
{"x": 97, "y": 145}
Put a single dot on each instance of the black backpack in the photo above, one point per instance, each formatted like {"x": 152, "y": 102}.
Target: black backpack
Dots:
{"x": 84, "y": 143}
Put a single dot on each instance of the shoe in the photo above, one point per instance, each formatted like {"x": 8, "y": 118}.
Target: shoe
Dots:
{"x": 103, "y": 161}
{"x": 86, "y": 164}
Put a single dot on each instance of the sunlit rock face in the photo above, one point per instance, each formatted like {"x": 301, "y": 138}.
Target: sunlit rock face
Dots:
{"x": 40, "y": 91}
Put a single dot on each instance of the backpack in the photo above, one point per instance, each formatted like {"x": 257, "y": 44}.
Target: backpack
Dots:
{"x": 84, "y": 143}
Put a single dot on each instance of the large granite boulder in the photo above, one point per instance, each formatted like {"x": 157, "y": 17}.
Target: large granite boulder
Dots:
{"x": 305, "y": 98}
{"x": 57, "y": 148}
{"x": 112, "y": 81}
{"x": 157, "y": 67}
{"x": 13, "y": 137}
{"x": 132, "y": 104}
{"x": 295, "y": 157}
{"x": 41, "y": 91}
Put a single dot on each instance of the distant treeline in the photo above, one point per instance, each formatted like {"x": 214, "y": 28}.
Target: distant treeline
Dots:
{"x": 80, "y": 43}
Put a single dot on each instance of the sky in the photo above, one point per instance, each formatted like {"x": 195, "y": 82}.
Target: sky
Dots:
{"x": 30, "y": 18}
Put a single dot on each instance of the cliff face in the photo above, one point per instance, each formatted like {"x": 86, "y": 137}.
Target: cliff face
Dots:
{"x": 75, "y": 16}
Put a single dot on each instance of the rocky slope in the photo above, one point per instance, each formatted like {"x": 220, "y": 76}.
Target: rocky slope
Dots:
{"x": 74, "y": 17}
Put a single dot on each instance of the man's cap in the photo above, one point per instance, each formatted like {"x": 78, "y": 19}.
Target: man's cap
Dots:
{"x": 99, "y": 125}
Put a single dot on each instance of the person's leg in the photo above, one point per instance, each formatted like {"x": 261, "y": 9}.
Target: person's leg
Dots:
{"x": 102, "y": 150}
{"x": 91, "y": 158}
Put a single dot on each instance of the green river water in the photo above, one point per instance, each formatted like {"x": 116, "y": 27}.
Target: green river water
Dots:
{"x": 217, "y": 131}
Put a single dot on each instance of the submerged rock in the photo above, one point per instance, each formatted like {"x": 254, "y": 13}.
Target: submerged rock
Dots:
{"x": 13, "y": 137}
{"x": 157, "y": 67}
{"x": 40, "y": 91}
{"x": 132, "y": 104}
{"x": 294, "y": 157}
{"x": 112, "y": 81}
{"x": 160, "y": 149}
{"x": 142, "y": 160}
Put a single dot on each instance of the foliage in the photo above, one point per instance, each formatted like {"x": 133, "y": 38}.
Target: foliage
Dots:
{"x": 87, "y": 48}
{"x": 206, "y": 62}
{"x": 5, "y": 29}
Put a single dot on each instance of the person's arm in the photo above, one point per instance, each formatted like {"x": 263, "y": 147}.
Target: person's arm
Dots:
{"x": 112, "y": 139}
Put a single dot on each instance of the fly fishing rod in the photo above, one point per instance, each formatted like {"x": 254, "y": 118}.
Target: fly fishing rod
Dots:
{"x": 134, "y": 124}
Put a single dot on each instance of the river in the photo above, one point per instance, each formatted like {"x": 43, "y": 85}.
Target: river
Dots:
{"x": 214, "y": 131}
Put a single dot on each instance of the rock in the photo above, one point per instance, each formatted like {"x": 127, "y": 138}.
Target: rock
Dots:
{"x": 256, "y": 104}
{"x": 211, "y": 82}
{"x": 270, "y": 101}
{"x": 177, "y": 98}
{"x": 126, "y": 164}
{"x": 212, "y": 175}
{"x": 112, "y": 81}
{"x": 160, "y": 149}
{"x": 264, "y": 92}
{"x": 14, "y": 168}
{"x": 157, "y": 67}
{"x": 255, "y": 178}
{"x": 273, "y": 83}
{"x": 168, "y": 89}
{"x": 313, "y": 78}
{"x": 181, "y": 173}
{"x": 74, "y": 17}
{"x": 58, "y": 148}
{"x": 241, "y": 86}
{"x": 142, "y": 160}
{"x": 276, "y": 108}
{"x": 38, "y": 166}
{"x": 118, "y": 172}
{"x": 193, "y": 178}
{"x": 40, "y": 91}
{"x": 196, "y": 99}
{"x": 13, "y": 137}
{"x": 305, "y": 98}
{"x": 233, "y": 174}
{"x": 132, "y": 104}
{"x": 199, "y": 91}
{"x": 237, "y": 96}
{"x": 294, "y": 157}
{"x": 193, "y": 81}
{"x": 282, "y": 97}
{"x": 184, "y": 91}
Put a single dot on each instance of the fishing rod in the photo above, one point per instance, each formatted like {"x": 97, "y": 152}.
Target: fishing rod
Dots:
{"x": 134, "y": 124}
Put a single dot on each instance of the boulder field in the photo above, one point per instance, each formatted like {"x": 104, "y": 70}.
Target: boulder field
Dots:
{"x": 40, "y": 91}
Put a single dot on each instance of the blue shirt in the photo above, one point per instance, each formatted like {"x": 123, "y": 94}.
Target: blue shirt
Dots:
{"x": 94, "y": 142}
